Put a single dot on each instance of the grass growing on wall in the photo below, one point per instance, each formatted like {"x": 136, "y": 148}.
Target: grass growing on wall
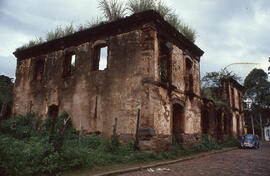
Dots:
{"x": 113, "y": 10}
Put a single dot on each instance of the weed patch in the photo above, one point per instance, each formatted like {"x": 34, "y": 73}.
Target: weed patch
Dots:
{"x": 25, "y": 149}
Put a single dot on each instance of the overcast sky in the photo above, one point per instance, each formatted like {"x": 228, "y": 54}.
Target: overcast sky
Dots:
{"x": 229, "y": 31}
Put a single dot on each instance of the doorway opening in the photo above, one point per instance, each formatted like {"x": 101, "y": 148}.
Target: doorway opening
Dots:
{"x": 178, "y": 122}
{"x": 53, "y": 111}
{"x": 205, "y": 122}
{"x": 238, "y": 125}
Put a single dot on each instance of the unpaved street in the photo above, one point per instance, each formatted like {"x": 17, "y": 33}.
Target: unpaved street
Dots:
{"x": 244, "y": 162}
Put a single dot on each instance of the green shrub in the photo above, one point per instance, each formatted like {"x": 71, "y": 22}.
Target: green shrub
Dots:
{"x": 25, "y": 149}
{"x": 231, "y": 142}
{"x": 206, "y": 145}
{"x": 19, "y": 157}
{"x": 20, "y": 126}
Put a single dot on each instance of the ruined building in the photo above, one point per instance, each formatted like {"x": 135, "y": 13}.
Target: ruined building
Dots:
{"x": 225, "y": 120}
{"x": 149, "y": 88}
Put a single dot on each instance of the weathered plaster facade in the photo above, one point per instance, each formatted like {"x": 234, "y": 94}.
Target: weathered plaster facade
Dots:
{"x": 151, "y": 84}
{"x": 221, "y": 122}
{"x": 233, "y": 92}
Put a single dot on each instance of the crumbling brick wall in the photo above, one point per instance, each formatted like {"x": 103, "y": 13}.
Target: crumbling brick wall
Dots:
{"x": 229, "y": 119}
{"x": 92, "y": 98}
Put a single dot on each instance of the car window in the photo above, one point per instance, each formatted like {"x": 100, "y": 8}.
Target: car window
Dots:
{"x": 249, "y": 137}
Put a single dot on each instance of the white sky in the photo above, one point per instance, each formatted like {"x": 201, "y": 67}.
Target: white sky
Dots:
{"x": 229, "y": 31}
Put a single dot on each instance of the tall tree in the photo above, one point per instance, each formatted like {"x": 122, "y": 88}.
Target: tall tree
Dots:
{"x": 257, "y": 89}
{"x": 211, "y": 85}
{"x": 214, "y": 79}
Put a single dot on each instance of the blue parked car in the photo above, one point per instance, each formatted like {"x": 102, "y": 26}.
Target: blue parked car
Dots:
{"x": 249, "y": 141}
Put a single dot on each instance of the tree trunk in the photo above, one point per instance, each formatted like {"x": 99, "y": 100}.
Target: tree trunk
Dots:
{"x": 252, "y": 125}
{"x": 63, "y": 130}
{"x": 261, "y": 126}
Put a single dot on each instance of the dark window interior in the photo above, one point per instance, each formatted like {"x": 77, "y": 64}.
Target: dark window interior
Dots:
{"x": 164, "y": 56}
{"x": 188, "y": 64}
{"x": 69, "y": 64}
{"x": 178, "y": 122}
{"x": 205, "y": 121}
{"x": 188, "y": 75}
{"x": 38, "y": 69}
{"x": 53, "y": 111}
{"x": 233, "y": 98}
{"x": 240, "y": 101}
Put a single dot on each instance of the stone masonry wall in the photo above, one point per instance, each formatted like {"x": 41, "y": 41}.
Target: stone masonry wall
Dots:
{"x": 129, "y": 85}
{"x": 92, "y": 98}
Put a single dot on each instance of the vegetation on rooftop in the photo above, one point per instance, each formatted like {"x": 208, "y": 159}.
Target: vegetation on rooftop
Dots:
{"x": 211, "y": 85}
{"x": 168, "y": 13}
{"x": 116, "y": 9}
{"x": 112, "y": 9}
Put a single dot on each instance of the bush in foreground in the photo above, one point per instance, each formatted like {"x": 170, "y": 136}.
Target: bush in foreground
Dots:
{"x": 25, "y": 149}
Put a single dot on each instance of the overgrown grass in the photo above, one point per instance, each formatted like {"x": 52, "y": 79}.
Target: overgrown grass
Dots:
{"x": 231, "y": 142}
{"x": 206, "y": 145}
{"x": 25, "y": 149}
{"x": 112, "y": 9}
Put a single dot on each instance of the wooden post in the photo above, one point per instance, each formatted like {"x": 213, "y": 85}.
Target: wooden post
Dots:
{"x": 137, "y": 130}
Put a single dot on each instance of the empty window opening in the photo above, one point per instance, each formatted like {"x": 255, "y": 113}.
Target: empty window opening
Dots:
{"x": 73, "y": 62}
{"x": 188, "y": 64}
{"x": 190, "y": 82}
{"x": 100, "y": 57}
{"x": 233, "y": 98}
{"x": 38, "y": 70}
{"x": 164, "y": 67}
{"x": 69, "y": 64}
{"x": 188, "y": 75}
{"x": 240, "y": 101}
{"x": 238, "y": 126}
{"x": 205, "y": 121}
{"x": 178, "y": 122}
